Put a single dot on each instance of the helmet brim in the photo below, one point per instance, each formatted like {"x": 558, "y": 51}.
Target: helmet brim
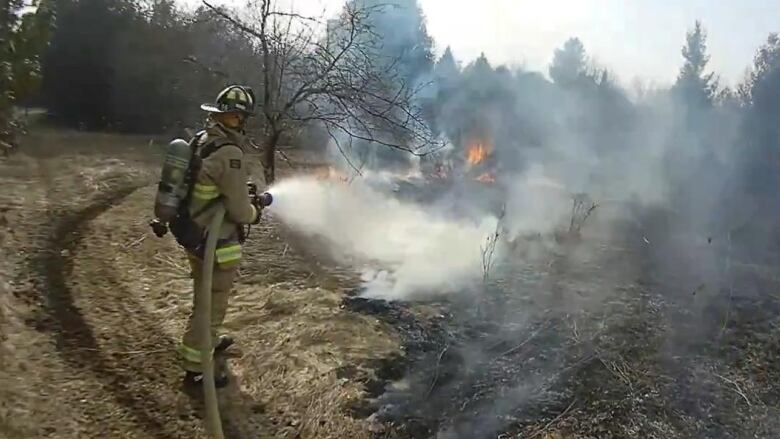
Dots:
{"x": 210, "y": 108}
{"x": 213, "y": 109}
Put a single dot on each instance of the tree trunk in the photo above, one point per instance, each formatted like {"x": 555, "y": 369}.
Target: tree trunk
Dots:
{"x": 269, "y": 158}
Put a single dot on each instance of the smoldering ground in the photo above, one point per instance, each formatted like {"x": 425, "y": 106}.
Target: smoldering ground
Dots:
{"x": 634, "y": 315}
{"x": 655, "y": 318}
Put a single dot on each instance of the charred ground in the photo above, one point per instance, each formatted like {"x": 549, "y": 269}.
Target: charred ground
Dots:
{"x": 595, "y": 339}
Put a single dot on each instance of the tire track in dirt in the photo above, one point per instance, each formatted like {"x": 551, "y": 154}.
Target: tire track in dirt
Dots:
{"x": 99, "y": 299}
{"x": 146, "y": 390}
{"x": 90, "y": 355}
{"x": 74, "y": 335}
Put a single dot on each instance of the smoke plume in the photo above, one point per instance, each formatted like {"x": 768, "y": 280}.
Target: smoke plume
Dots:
{"x": 682, "y": 194}
{"x": 405, "y": 249}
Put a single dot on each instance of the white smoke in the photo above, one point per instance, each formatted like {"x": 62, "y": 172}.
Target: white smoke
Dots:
{"x": 407, "y": 250}
{"x": 535, "y": 203}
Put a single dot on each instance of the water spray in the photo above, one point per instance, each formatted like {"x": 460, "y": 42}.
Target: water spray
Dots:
{"x": 403, "y": 249}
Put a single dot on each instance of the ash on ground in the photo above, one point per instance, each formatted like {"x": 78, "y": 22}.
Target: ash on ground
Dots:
{"x": 595, "y": 338}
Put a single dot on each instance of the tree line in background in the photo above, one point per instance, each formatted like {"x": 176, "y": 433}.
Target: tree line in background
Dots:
{"x": 368, "y": 84}
{"x": 145, "y": 66}
{"x": 24, "y": 34}
{"x": 137, "y": 66}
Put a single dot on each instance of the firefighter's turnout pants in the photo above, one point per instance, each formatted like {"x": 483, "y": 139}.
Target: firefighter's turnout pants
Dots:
{"x": 222, "y": 285}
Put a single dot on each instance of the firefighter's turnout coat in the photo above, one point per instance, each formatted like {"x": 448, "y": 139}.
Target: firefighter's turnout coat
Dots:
{"x": 222, "y": 177}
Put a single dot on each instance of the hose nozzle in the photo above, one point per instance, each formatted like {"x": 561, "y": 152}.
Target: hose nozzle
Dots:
{"x": 266, "y": 199}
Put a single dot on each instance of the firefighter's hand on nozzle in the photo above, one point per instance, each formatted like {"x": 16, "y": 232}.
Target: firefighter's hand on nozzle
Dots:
{"x": 259, "y": 201}
{"x": 252, "y": 188}
{"x": 262, "y": 201}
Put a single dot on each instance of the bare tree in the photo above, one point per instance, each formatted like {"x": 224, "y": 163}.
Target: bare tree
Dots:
{"x": 338, "y": 78}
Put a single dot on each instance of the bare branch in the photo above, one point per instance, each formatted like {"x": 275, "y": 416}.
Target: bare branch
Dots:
{"x": 294, "y": 15}
{"x": 285, "y": 157}
{"x": 343, "y": 154}
{"x": 193, "y": 60}
{"x": 241, "y": 26}
{"x": 302, "y": 90}
{"x": 342, "y": 81}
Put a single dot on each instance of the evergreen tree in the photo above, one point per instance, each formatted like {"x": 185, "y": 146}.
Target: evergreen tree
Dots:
{"x": 694, "y": 86}
{"x": 139, "y": 66}
{"x": 480, "y": 66}
{"x": 446, "y": 68}
{"x": 569, "y": 63}
{"x": 765, "y": 63}
{"x": 77, "y": 68}
{"x": 760, "y": 94}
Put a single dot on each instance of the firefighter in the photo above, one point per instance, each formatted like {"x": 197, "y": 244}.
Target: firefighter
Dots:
{"x": 221, "y": 177}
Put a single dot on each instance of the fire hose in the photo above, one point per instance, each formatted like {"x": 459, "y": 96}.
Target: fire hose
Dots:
{"x": 203, "y": 297}
{"x": 202, "y": 317}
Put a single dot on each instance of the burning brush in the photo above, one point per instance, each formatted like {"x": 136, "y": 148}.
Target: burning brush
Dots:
{"x": 478, "y": 154}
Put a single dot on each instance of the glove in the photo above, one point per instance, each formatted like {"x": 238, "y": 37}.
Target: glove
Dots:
{"x": 258, "y": 205}
{"x": 254, "y": 200}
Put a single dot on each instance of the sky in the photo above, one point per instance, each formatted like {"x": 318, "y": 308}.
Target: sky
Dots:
{"x": 634, "y": 39}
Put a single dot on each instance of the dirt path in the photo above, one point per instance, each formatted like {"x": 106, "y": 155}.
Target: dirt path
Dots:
{"x": 47, "y": 202}
{"x": 97, "y": 303}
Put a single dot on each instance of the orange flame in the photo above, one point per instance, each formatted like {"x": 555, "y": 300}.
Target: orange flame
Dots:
{"x": 477, "y": 152}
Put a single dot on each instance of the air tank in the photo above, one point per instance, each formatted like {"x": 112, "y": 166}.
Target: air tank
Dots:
{"x": 172, "y": 188}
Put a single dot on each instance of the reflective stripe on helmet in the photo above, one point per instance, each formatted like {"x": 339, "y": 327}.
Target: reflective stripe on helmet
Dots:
{"x": 205, "y": 191}
{"x": 236, "y": 94}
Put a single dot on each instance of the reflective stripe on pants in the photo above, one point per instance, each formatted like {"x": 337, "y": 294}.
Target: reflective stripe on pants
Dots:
{"x": 228, "y": 254}
{"x": 222, "y": 284}
{"x": 188, "y": 354}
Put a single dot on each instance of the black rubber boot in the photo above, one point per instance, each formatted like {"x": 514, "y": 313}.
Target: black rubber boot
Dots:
{"x": 223, "y": 342}
{"x": 195, "y": 379}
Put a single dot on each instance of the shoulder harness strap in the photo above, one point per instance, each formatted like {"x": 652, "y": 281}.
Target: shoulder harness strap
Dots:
{"x": 210, "y": 147}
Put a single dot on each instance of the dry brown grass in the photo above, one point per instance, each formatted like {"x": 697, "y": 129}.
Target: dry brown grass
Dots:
{"x": 41, "y": 395}
{"x": 133, "y": 294}
{"x": 297, "y": 343}
{"x": 292, "y": 338}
